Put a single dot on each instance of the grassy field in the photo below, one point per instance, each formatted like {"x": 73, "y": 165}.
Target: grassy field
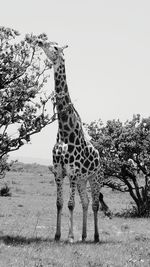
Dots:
{"x": 27, "y": 227}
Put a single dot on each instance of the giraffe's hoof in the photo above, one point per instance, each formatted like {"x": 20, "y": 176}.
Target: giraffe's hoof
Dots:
{"x": 96, "y": 238}
{"x": 84, "y": 238}
{"x": 71, "y": 240}
{"x": 57, "y": 237}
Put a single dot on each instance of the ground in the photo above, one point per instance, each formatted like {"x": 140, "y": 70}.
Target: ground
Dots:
{"x": 27, "y": 227}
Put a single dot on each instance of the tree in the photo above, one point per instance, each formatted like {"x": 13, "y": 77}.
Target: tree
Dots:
{"x": 125, "y": 157}
{"x": 23, "y": 74}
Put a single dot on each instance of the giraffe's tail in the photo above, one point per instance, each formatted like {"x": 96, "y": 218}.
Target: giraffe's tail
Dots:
{"x": 104, "y": 207}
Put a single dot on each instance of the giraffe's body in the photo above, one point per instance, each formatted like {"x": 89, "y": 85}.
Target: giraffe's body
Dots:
{"x": 73, "y": 155}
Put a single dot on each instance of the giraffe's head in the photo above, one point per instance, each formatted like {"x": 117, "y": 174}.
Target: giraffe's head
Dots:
{"x": 52, "y": 50}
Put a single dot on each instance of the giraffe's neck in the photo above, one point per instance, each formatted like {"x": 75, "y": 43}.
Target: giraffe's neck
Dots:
{"x": 61, "y": 88}
{"x": 68, "y": 118}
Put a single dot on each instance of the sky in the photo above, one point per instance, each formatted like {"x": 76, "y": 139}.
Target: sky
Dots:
{"x": 107, "y": 61}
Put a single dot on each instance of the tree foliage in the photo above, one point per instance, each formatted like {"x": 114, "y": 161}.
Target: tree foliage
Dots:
{"x": 125, "y": 157}
{"x": 23, "y": 74}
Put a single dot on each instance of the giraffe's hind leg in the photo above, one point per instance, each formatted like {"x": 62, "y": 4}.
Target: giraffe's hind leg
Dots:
{"x": 95, "y": 189}
{"x": 71, "y": 205}
{"x": 81, "y": 185}
{"x": 59, "y": 202}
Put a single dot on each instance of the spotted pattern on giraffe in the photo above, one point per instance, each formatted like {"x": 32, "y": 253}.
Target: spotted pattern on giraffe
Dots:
{"x": 73, "y": 155}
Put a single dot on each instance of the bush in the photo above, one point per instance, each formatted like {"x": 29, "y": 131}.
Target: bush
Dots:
{"x": 125, "y": 157}
{"x": 23, "y": 101}
{"x": 5, "y": 191}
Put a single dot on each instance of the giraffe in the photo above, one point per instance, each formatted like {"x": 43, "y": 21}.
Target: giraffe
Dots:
{"x": 73, "y": 155}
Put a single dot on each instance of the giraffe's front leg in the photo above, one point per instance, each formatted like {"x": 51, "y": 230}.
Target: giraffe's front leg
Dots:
{"x": 59, "y": 204}
{"x": 71, "y": 205}
{"x": 81, "y": 185}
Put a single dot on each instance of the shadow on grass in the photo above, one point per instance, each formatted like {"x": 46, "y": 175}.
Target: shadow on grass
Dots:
{"x": 21, "y": 240}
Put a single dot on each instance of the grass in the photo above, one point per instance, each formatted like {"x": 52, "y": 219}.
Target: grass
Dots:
{"x": 27, "y": 228}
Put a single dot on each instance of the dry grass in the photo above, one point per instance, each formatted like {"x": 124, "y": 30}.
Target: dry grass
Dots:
{"x": 27, "y": 227}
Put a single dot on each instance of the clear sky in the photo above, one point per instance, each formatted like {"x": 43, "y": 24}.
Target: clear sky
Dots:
{"x": 107, "y": 62}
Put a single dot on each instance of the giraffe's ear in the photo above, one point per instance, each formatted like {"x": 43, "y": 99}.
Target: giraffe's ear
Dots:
{"x": 64, "y": 47}
{"x": 61, "y": 49}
